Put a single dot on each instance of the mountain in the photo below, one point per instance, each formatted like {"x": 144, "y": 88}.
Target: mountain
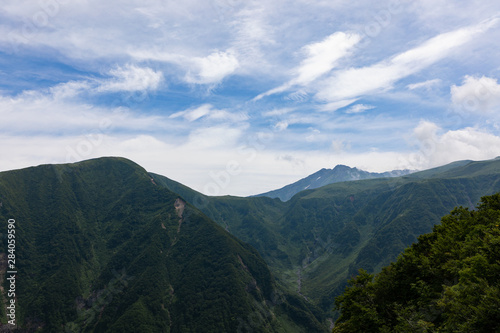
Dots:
{"x": 449, "y": 281}
{"x": 104, "y": 246}
{"x": 323, "y": 177}
{"x": 101, "y": 247}
{"x": 317, "y": 240}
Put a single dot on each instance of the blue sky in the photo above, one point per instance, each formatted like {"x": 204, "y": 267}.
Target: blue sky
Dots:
{"x": 241, "y": 97}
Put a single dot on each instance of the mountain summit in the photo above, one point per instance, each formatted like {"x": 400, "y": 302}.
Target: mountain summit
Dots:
{"x": 340, "y": 173}
{"x": 100, "y": 247}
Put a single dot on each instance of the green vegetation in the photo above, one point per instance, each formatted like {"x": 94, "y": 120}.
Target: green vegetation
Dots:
{"x": 449, "y": 281}
{"x": 101, "y": 248}
{"x": 323, "y": 236}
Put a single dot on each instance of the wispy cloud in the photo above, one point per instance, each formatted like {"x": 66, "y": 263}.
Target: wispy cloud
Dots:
{"x": 424, "y": 85}
{"x": 321, "y": 58}
{"x": 52, "y": 112}
{"x": 356, "y": 82}
{"x": 198, "y": 70}
{"x": 278, "y": 112}
{"x": 131, "y": 78}
{"x": 359, "y": 108}
{"x": 281, "y": 125}
{"x": 209, "y": 112}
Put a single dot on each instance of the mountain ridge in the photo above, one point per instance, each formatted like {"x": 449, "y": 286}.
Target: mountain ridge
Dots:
{"x": 319, "y": 238}
{"x": 323, "y": 177}
{"x": 102, "y": 248}
{"x": 311, "y": 243}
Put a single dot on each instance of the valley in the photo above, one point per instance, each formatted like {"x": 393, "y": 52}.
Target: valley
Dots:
{"x": 109, "y": 247}
{"x": 328, "y": 233}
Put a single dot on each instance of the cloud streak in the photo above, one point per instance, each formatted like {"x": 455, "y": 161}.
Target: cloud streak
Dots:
{"x": 198, "y": 70}
{"x": 354, "y": 83}
{"x": 321, "y": 58}
{"x": 207, "y": 111}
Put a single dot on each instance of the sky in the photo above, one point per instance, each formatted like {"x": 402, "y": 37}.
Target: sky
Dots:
{"x": 241, "y": 97}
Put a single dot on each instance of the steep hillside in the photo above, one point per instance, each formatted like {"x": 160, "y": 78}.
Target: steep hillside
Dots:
{"x": 318, "y": 239}
{"x": 449, "y": 281}
{"x": 323, "y": 177}
{"x": 100, "y": 247}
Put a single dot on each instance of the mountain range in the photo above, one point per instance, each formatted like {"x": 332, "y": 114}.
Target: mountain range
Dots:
{"x": 317, "y": 240}
{"x": 104, "y": 246}
{"x": 323, "y": 177}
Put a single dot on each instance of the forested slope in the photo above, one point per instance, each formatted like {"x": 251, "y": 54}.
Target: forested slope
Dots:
{"x": 100, "y": 247}
{"x": 449, "y": 281}
{"x": 318, "y": 239}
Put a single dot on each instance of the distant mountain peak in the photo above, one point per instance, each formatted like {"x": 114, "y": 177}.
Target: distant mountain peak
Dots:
{"x": 342, "y": 167}
{"x": 323, "y": 177}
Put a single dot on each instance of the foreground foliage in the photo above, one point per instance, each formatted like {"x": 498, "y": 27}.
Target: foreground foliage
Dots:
{"x": 447, "y": 282}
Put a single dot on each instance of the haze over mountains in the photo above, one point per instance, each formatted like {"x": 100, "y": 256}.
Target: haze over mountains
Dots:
{"x": 105, "y": 246}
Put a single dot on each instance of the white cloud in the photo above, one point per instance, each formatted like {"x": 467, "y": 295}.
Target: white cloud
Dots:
{"x": 208, "y": 111}
{"x": 281, "y": 126}
{"x": 300, "y": 95}
{"x": 321, "y": 58}
{"x": 477, "y": 95}
{"x": 220, "y": 137}
{"x": 260, "y": 168}
{"x": 314, "y": 135}
{"x": 359, "y": 108}
{"x": 199, "y": 70}
{"x": 426, "y": 131}
{"x": 213, "y": 68}
{"x": 339, "y": 146}
{"x": 131, "y": 78}
{"x": 128, "y": 79}
{"x": 268, "y": 44}
{"x": 437, "y": 148}
{"x": 356, "y": 82}
{"x": 194, "y": 114}
{"x": 334, "y": 106}
{"x": 278, "y": 112}
{"x": 55, "y": 112}
{"x": 68, "y": 90}
{"x": 223, "y": 115}
{"x": 252, "y": 31}
{"x": 424, "y": 85}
